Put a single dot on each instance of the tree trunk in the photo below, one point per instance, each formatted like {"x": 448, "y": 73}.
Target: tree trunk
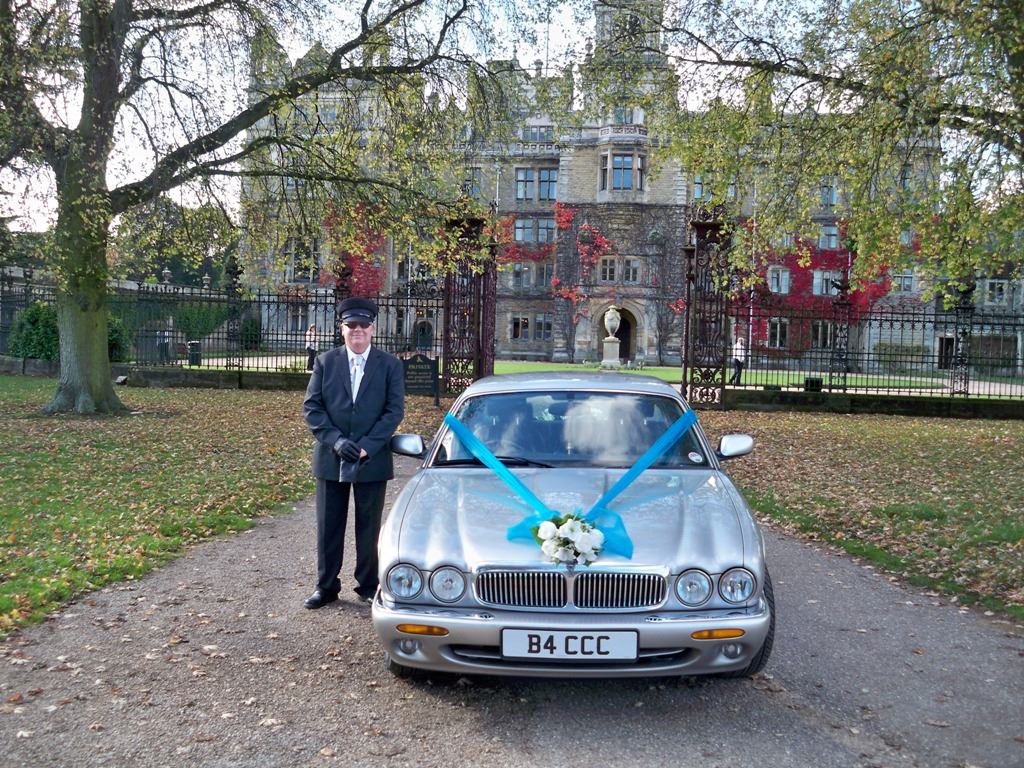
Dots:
{"x": 81, "y": 241}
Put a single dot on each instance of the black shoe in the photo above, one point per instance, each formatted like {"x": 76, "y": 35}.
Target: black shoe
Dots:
{"x": 319, "y": 599}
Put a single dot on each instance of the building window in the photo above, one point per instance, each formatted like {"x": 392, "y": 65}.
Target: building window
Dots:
{"x": 524, "y": 230}
{"x": 906, "y": 176}
{"x": 542, "y": 327}
{"x": 996, "y": 291}
{"x": 298, "y": 317}
{"x": 520, "y": 276}
{"x": 907, "y": 238}
{"x": 828, "y": 237}
{"x": 821, "y": 334}
{"x": 778, "y": 330}
{"x": 607, "y": 270}
{"x": 543, "y": 273}
{"x": 731, "y": 192}
{"x": 538, "y": 133}
{"x": 520, "y": 329}
{"x": 701, "y": 189}
{"x": 824, "y": 282}
{"x": 784, "y": 241}
{"x": 603, "y": 183}
{"x": 548, "y": 186}
{"x": 546, "y": 230}
{"x": 622, "y": 171}
{"x": 623, "y": 115}
{"x": 640, "y": 171}
{"x": 524, "y": 183}
{"x": 829, "y": 192}
{"x": 903, "y": 282}
{"x": 631, "y": 270}
{"x": 471, "y": 184}
{"x": 778, "y": 279}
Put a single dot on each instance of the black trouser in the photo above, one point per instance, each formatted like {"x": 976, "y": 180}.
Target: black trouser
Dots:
{"x": 310, "y": 358}
{"x": 737, "y": 370}
{"x": 331, "y": 519}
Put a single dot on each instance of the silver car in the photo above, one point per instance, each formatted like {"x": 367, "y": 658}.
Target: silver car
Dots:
{"x": 573, "y": 525}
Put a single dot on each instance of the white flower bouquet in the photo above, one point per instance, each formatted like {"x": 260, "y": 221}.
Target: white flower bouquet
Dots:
{"x": 569, "y": 539}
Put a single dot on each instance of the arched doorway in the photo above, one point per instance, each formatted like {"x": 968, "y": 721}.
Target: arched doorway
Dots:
{"x": 424, "y": 337}
{"x": 626, "y": 334}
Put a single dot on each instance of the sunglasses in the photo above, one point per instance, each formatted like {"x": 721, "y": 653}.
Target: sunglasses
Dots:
{"x": 356, "y": 324}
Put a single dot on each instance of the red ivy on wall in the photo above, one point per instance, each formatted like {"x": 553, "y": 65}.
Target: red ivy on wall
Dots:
{"x": 511, "y": 251}
{"x": 357, "y": 267}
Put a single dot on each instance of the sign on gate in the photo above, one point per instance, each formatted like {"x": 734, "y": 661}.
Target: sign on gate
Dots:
{"x": 421, "y": 375}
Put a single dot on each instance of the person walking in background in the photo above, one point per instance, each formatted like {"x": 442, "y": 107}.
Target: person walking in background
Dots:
{"x": 354, "y": 402}
{"x": 739, "y": 359}
{"x": 310, "y": 347}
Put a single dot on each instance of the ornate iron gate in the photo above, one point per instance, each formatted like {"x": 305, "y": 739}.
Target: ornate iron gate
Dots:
{"x": 469, "y": 302}
{"x": 705, "y": 327}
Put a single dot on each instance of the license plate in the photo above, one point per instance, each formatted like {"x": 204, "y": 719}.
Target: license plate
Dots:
{"x": 579, "y": 645}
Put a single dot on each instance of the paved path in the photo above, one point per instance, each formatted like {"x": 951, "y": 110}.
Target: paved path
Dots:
{"x": 212, "y": 661}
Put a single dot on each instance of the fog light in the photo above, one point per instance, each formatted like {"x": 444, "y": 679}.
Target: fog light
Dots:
{"x": 408, "y": 647}
{"x": 732, "y": 650}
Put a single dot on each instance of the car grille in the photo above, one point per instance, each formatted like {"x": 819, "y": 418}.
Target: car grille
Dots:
{"x": 618, "y": 590}
{"x": 590, "y": 590}
{"x": 522, "y": 589}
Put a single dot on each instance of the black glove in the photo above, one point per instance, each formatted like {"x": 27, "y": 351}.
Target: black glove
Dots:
{"x": 347, "y": 449}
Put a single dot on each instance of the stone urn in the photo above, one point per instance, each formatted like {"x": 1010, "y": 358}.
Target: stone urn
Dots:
{"x": 611, "y": 322}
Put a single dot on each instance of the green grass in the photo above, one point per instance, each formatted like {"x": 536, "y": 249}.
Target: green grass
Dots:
{"x": 754, "y": 378}
{"x": 936, "y": 500}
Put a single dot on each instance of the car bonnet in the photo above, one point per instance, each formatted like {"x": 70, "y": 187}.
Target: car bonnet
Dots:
{"x": 461, "y": 517}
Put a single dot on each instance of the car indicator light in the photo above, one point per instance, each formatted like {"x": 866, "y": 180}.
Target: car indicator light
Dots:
{"x": 717, "y": 634}
{"x": 422, "y": 629}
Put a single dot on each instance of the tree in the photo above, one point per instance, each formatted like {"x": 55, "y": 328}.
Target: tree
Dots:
{"x": 149, "y": 91}
{"x": 914, "y": 112}
{"x": 161, "y": 234}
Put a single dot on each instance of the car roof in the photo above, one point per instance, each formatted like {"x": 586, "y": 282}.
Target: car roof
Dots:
{"x": 561, "y": 381}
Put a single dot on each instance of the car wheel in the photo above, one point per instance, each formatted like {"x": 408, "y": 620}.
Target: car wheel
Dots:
{"x": 761, "y": 657}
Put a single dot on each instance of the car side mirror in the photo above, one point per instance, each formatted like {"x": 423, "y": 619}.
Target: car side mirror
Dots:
{"x": 408, "y": 445}
{"x": 732, "y": 446}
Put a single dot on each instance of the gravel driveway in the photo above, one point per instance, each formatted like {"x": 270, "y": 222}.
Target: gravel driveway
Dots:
{"x": 211, "y": 660}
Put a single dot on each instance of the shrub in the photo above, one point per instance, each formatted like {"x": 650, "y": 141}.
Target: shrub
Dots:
{"x": 118, "y": 340}
{"x": 900, "y": 358}
{"x": 198, "y": 319}
{"x": 252, "y": 332}
{"x": 35, "y": 335}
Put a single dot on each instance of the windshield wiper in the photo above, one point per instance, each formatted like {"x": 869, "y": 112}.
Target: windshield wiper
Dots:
{"x": 518, "y": 461}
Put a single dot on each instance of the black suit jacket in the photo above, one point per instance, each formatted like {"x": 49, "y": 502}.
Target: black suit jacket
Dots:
{"x": 370, "y": 421}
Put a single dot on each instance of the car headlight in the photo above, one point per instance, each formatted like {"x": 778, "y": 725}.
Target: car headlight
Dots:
{"x": 693, "y": 587}
{"x": 404, "y": 581}
{"x": 447, "y": 584}
{"x": 736, "y": 585}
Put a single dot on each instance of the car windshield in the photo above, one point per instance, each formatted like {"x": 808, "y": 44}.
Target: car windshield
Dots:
{"x": 603, "y": 429}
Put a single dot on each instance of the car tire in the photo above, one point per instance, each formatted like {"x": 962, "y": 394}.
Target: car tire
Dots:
{"x": 761, "y": 657}
{"x": 402, "y": 672}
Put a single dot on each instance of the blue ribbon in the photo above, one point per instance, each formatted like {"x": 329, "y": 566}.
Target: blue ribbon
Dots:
{"x": 616, "y": 539}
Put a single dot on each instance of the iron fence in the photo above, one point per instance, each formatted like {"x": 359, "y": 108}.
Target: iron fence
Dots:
{"x": 965, "y": 352}
{"x": 163, "y": 325}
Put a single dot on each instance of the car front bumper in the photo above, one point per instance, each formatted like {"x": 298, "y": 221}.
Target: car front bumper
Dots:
{"x": 665, "y": 643}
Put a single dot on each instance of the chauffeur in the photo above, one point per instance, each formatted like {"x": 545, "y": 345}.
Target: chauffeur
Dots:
{"x": 354, "y": 403}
